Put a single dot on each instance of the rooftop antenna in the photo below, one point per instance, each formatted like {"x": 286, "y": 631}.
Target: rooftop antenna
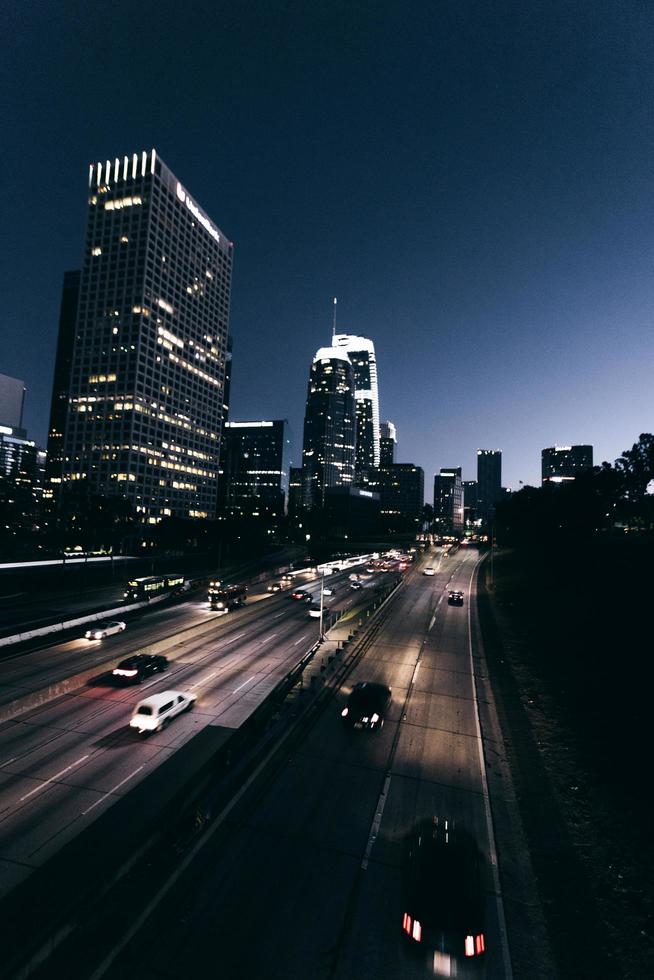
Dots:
{"x": 334, "y": 318}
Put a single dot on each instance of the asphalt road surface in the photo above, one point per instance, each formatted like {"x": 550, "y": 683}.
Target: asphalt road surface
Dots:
{"x": 62, "y": 764}
{"x": 302, "y": 880}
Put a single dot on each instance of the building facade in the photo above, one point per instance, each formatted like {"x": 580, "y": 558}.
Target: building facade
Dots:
{"x": 361, "y": 352}
{"x": 328, "y": 451}
{"x": 387, "y": 444}
{"x": 448, "y": 501}
{"x": 255, "y": 470}
{"x": 12, "y": 402}
{"x": 295, "y": 492}
{"x": 146, "y": 390}
{"x": 470, "y": 502}
{"x": 560, "y": 464}
{"x": 401, "y": 489}
{"x": 61, "y": 383}
{"x": 489, "y": 482}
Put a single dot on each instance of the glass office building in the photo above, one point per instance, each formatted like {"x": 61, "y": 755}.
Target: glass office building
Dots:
{"x": 361, "y": 352}
{"x": 147, "y": 374}
{"x": 328, "y": 452}
{"x": 256, "y": 468}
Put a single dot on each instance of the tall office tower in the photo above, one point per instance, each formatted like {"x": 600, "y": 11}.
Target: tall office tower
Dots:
{"x": 469, "y": 501}
{"x": 489, "y": 482}
{"x": 12, "y": 402}
{"x": 448, "y": 501}
{"x": 61, "y": 383}
{"x": 560, "y": 464}
{"x": 362, "y": 356}
{"x": 256, "y": 468}
{"x": 387, "y": 444}
{"x": 295, "y": 492}
{"x": 147, "y": 376}
{"x": 328, "y": 451}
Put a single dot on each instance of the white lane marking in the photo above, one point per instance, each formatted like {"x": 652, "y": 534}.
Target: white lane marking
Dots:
{"x": 374, "y": 830}
{"x": 8, "y": 762}
{"x": 244, "y": 683}
{"x": 300, "y": 640}
{"x": 231, "y": 640}
{"x": 52, "y": 778}
{"x": 112, "y": 790}
{"x": 278, "y": 615}
{"x": 499, "y": 901}
{"x": 203, "y": 681}
{"x": 271, "y": 637}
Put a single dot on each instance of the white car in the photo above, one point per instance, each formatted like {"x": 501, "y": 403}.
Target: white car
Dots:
{"x": 107, "y": 629}
{"x": 429, "y": 571}
{"x": 153, "y": 713}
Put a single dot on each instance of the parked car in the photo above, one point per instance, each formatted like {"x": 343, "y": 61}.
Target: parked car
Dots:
{"x": 105, "y": 629}
{"x": 134, "y": 669}
{"x": 155, "y": 712}
{"x": 366, "y": 705}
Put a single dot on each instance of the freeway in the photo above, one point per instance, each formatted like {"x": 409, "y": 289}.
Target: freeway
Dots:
{"x": 64, "y": 763}
{"x": 302, "y": 878}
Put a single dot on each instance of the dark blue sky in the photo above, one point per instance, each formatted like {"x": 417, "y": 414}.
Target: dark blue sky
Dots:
{"x": 473, "y": 180}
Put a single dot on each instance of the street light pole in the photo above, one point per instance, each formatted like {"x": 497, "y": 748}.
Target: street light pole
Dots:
{"x": 322, "y": 601}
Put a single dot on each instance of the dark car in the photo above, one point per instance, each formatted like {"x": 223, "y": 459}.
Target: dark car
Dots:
{"x": 443, "y": 901}
{"x": 275, "y": 587}
{"x": 366, "y": 706}
{"x": 455, "y": 598}
{"x": 356, "y": 585}
{"x": 301, "y": 595}
{"x": 134, "y": 670}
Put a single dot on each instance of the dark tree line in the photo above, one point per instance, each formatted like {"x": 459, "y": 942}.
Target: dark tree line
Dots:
{"x": 610, "y": 496}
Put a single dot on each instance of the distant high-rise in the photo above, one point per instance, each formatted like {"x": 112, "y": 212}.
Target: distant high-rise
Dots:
{"x": 256, "y": 468}
{"x": 470, "y": 501}
{"x": 295, "y": 492}
{"x": 401, "y": 489}
{"x": 387, "y": 444}
{"x": 361, "y": 352}
{"x": 328, "y": 451}
{"x": 560, "y": 464}
{"x": 61, "y": 383}
{"x": 448, "y": 501}
{"x": 489, "y": 482}
{"x": 145, "y": 400}
{"x": 12, "y": 401}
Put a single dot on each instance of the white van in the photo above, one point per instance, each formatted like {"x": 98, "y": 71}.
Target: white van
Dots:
{"x": 153, "y": 713}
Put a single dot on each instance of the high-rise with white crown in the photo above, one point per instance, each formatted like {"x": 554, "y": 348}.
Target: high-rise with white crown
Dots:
{"x": 361, "y": 353}
{"x": 145, "y": 402}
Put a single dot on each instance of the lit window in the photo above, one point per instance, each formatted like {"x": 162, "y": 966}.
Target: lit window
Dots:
{"x": 124, "y": 239}
{"x": 96, "y": 251}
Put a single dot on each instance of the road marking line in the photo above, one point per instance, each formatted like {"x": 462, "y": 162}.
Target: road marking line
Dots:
{"x": 203, "y": 681}
{"x": 8, "y": 762}
{"x": 278, "y": 615}
{"x": 112, "y": 790}
{"x": 244, "y": 683}
{"x": 271, "y": 637}
{"x": 300, "y": 640}
{"x": 374, "y": 830}
{"x": 52, "y": 778}
{"x": 237, "y": 637}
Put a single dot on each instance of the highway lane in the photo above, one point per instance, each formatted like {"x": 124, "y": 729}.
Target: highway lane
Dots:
{"x": 23, "y": 673}
{"x": 304, "y": 881}
{"x": 62, "y": 764}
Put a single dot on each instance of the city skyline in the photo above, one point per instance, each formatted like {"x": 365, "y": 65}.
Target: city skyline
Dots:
{"x": 484, "y": 217}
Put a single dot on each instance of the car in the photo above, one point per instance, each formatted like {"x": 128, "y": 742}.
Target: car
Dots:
{"x": 275, "y": 587}
{"x": 134, "y": 669}
{"x": 455, "y": 598}
{"x": 356, "y": 585}
{"x": 443, "y": 900}
{"x": 106, "y": 629}
{"x": 329, "y": 590}
{"x": 314, "y": 610}
{"x": 301, "y": 595}
{"x": 370, "y": 570}
{"x": 154, "y": 713}
{"x": 429, "y": 571}
{"x": 366, "y": 705}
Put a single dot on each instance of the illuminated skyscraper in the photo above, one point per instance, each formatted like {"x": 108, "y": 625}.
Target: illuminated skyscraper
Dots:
{"x": 328, "y": 452}
{"x": 448, "y": 501}
{"x": 387, "y": 444}
{"x": 145, "y": 401}
{"x": 362, "y": 356}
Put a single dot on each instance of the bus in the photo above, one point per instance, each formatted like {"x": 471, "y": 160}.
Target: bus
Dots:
{"x": 142, "y": 589}
{"x": 227, "y": 597}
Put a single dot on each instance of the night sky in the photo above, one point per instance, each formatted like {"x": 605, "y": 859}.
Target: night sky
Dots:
{"x": 472, "y": 180}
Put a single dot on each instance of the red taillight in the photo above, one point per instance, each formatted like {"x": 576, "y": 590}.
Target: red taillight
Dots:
{"x": 412, "y": 927}
{"x": 406, "y": 923}
{"x": 480, "y": 945}
{"x": 475, "y": 945}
